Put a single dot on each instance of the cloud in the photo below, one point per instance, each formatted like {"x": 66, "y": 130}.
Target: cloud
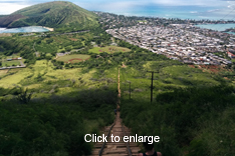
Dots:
{"x": 108, "y": 6}
{"x": 231, "y": 4}
{"x": 213, "y": 10}
{"x": 210, "y": 3}
{"x": 8, "y": 8}
{"x": 11, "y": 1}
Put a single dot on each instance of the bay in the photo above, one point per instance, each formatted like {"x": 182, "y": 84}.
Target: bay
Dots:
{"x": 24, "y": 29}
{"x": 217, "y": 27}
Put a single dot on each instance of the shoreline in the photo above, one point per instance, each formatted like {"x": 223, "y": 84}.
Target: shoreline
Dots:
{"x": 3, "y": 29}
{"x": 50, "y": 29}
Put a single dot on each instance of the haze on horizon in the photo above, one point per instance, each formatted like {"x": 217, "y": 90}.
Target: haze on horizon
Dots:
{"x": 162, "y": 8}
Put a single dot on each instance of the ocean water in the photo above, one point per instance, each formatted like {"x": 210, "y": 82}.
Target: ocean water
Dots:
{"x": 23, "y": 29}
{"x": 217, "y": 27}
{"x": 182, "y": 12}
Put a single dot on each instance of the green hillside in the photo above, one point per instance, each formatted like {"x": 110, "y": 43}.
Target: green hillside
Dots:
{"x": 192, "y": 109}
{"x": 57, "y": 14}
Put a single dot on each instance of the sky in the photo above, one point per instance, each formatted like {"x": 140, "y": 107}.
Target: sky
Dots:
{"x": 197, "y": 8}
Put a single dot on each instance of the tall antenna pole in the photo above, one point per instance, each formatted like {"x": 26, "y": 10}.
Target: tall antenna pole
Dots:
{"x": 151, "y": 87}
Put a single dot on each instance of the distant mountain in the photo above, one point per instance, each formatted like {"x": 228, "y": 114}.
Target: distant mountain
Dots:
{"x": 57, "y": 14}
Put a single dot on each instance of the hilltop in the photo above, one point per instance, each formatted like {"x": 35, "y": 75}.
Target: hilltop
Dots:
{"x": 57, "y": 14}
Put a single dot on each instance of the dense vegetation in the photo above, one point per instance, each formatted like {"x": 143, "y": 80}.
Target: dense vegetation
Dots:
{"x": 192, "y": 110}
{"x": 191, "y": 121}
{"x": 23, "y": 47}
{"x": 55, "y": 125}
{"x": 59, "y": 14}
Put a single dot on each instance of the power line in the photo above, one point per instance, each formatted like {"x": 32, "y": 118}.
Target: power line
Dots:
{"x": 223, "y": 18}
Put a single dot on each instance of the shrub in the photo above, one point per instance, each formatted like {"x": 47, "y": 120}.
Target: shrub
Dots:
{"x": 24, "y": 97}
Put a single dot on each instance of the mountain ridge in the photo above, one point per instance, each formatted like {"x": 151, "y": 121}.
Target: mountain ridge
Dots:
{"x": 56, "y": 14}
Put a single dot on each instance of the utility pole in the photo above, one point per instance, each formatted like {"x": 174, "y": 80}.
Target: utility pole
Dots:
{"x": 129, "y": 89}
{"x": 151, "y": 87}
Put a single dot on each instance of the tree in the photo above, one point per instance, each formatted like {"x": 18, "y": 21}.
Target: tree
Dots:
{"x": 49, "y": 41}
{"x": 24, "y": 97}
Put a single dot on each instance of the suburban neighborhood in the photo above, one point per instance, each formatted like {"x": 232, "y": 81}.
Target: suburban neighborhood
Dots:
{"x": 185, "y": 42}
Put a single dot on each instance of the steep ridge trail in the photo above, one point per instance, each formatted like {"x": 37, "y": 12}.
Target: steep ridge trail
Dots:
{"x": 119, "y": 91}
{"x": 118, "y": 148}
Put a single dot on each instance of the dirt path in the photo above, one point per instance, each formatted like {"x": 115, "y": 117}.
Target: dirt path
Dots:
{"x": 118, "y": 148}
{"x": 22, "y": 64}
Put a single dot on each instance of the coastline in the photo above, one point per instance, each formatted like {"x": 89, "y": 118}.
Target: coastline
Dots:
{"x": 30, "y": 29}
{"x": 50, "y": 29}
{"x": 217, "y": 27}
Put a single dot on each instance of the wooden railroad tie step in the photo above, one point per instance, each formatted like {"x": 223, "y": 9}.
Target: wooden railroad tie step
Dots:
{"x": 116, "y": 148}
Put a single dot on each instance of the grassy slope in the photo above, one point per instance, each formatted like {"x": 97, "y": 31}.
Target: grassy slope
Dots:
{"x": 44, "y": 81}
{"x": 66, "y": 58}
{"x": 60, "y": 43}
{"x": 10, "y": 63}
{"x": 42, "y": 76}
{"x": 109, "y": 49}
{"x": 169, "y": 77}
{"x": 47, "y": 82}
